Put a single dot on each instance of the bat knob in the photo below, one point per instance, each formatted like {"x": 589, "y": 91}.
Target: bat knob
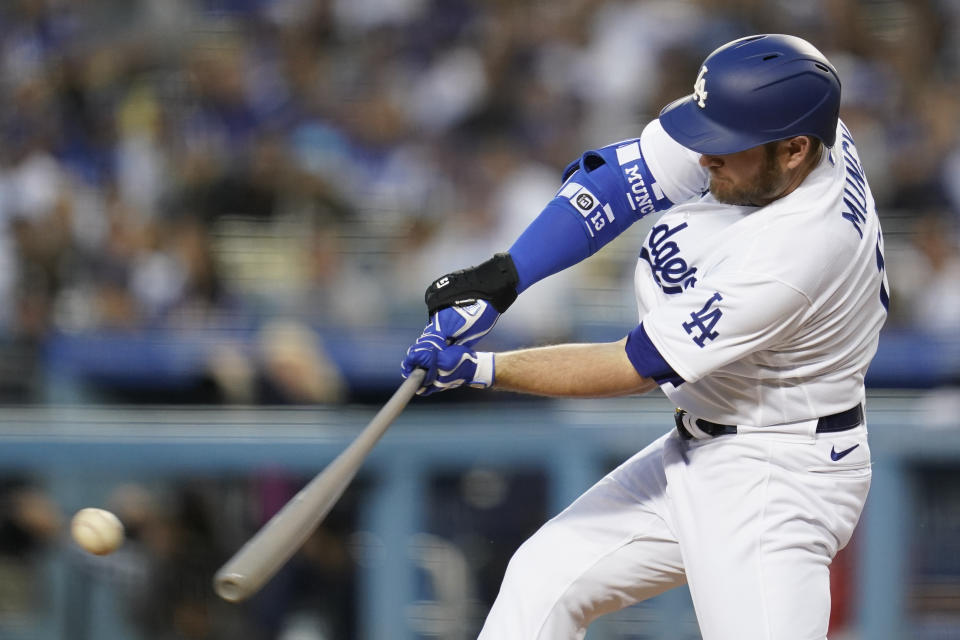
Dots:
{"x": 230, "y": 586}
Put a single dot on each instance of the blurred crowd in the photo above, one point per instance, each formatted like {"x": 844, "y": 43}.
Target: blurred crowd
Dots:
{"x": 200, "y": 164}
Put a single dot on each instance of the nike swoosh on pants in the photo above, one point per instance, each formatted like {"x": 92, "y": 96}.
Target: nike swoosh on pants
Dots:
{"x": 836, "y": 455}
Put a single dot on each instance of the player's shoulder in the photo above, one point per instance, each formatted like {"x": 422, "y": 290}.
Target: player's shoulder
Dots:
{"x": 653, "y": 161}
{"x": 804, "y": 248}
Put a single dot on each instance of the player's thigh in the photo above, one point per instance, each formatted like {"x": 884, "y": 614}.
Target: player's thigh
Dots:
{"x": 759, "y": 525}
{"x": 815, "y": 503}
{"x": 625, "y": 506}
{"x": 609, "y": 549}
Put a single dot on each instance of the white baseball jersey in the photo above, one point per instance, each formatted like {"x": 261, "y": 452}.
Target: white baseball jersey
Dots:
{"x": 770, "y": 314}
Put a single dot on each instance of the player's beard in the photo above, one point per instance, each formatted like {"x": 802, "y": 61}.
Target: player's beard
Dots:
{"x": 762, "y": 189}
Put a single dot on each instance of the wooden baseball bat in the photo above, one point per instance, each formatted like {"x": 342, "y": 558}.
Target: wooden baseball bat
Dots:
{"x": 263, "y": 555}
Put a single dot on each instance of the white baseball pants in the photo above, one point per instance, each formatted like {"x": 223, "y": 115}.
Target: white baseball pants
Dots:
{"x": 749, "y": 521}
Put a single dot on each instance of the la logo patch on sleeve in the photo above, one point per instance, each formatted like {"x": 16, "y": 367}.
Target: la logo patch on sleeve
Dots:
{"x": 704, "y": 321}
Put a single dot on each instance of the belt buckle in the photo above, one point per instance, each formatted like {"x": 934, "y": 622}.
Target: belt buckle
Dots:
{"x": 681, "y": 428}
{"x": 687, "y": 426}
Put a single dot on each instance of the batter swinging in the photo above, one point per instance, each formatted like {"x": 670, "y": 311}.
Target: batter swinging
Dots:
{"x": 761, "y": 293}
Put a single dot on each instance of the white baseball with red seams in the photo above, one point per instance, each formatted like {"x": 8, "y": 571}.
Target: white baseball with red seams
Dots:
{"x": 97, "y": 531}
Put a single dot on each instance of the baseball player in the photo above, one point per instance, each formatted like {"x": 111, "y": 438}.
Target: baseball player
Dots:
{"x": 761, "y": 292}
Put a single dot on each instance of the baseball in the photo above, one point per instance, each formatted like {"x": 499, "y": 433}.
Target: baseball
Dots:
{"x": 97, "y": 531}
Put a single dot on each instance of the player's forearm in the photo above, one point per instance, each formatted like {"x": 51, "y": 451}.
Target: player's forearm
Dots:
{"x": 570, "y": 370}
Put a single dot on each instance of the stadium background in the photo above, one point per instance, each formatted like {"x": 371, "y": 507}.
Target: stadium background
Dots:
{"x": 217, "y": 219}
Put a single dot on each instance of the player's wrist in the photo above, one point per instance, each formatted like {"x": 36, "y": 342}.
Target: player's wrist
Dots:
{"x": 484, "y": 376}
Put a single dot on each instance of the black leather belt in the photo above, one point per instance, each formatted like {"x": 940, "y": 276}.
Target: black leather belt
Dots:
{"x": 842, "y": 421}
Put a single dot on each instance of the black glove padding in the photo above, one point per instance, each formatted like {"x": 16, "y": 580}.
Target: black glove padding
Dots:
{"x": 494, "y": 281}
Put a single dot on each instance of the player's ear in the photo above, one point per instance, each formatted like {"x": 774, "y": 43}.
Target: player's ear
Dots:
{"x": 799, "y": 150}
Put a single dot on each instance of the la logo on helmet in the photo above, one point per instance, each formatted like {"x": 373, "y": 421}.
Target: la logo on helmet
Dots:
{"x": 700, "y": 88}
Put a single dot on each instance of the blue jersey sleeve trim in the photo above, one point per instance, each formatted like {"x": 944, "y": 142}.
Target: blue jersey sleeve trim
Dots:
{"x": 647, "y": 360}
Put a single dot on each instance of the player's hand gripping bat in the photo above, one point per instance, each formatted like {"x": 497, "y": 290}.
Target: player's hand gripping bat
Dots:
{"x": 263, "y": 555}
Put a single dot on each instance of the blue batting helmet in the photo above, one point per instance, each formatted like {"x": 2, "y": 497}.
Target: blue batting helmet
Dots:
{"x": 756, "y": 90}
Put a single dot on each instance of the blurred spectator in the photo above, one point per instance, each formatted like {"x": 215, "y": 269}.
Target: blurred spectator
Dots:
{"x": 926, "y": 282}
{"x": 30, "y": 523}
{"x": 172, "y": 549}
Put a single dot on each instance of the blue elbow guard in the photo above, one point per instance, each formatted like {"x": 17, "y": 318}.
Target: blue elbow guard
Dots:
{"x": 603, "y": 193}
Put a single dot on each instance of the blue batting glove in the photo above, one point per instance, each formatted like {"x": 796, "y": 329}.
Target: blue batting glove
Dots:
{"x": 462, "y": 325}
{"x": 450, "y": 367}
{"x": 422, "y": 354}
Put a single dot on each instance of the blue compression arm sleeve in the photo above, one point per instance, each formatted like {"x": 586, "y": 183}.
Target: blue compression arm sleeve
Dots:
{"x": 604, "y": 192}
{"x": 554, "y": 241}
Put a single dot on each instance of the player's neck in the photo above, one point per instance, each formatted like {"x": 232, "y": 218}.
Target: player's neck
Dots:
{"x": 795, "y": 177}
